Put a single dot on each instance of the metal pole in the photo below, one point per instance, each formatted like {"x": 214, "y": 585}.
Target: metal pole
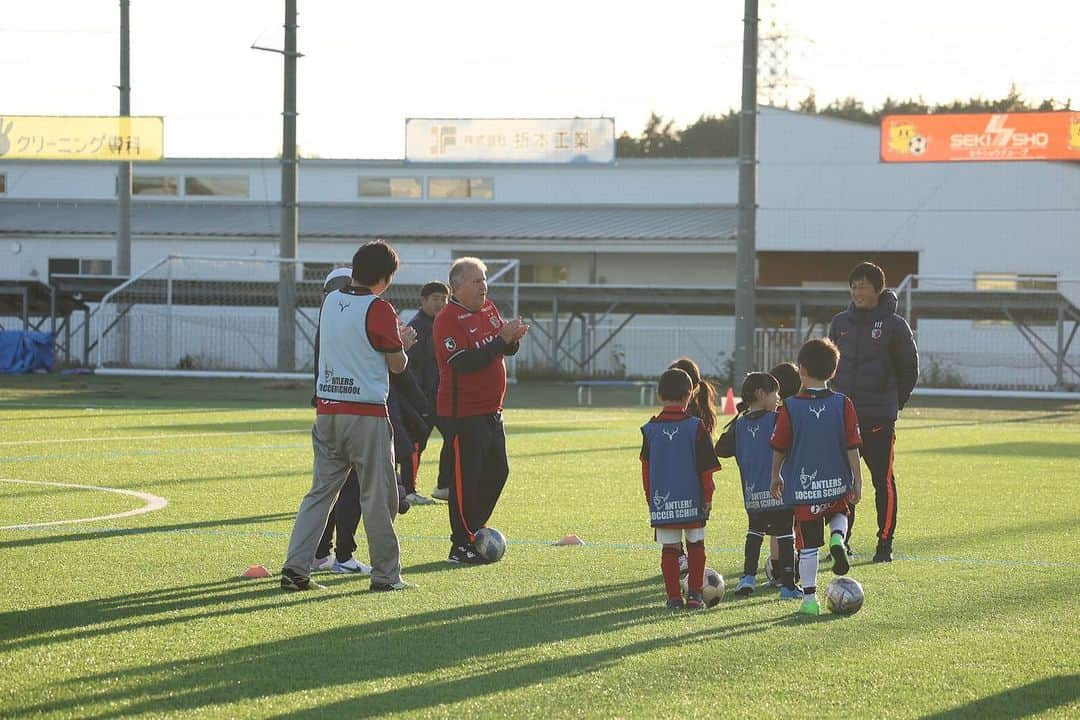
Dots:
{"x": 745, "y": 251}
{"x": 168, "y": 317}
{"x": 86, "y": 339}
{"x": 286, "y": 347}
{"x": 1061, "y": 346}
{"x": 555, "y": 333}
{"x": 123, "y": 237}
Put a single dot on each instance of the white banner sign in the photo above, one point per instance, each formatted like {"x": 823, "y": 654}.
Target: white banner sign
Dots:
{"x": 510, "y": 140}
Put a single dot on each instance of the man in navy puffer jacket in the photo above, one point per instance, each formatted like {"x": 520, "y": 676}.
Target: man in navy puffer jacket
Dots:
{"x": 879, "y": 366}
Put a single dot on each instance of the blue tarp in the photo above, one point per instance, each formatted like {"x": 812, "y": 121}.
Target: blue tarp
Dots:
{"x": 25, "y": 351}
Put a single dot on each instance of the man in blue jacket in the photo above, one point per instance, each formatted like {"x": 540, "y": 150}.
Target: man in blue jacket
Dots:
{"x": 879, "y": 366}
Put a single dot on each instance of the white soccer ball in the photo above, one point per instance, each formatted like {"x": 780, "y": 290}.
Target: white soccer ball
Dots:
{"x": 917, "y": 145}
{"x": 490, "y": 544}
{"x": 844, "y": 596}
{"x": 712, "y": 591}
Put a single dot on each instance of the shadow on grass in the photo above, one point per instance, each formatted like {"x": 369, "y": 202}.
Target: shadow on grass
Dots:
{"x": 1066, "y": 451}
{"x": 144, "y": 530}
{"x": 1031, "y": 699}
{"x": 442, "y": 642}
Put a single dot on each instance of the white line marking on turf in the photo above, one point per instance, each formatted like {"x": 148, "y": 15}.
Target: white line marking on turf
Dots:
{"x": 160, "y": 436}
{"x": 153, "y": 502}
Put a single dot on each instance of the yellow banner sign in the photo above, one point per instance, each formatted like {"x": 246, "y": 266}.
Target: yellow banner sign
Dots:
{"x": 122, "y": 139}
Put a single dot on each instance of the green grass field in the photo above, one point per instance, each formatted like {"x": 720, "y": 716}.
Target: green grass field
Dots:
{"x": 144, "y": 615}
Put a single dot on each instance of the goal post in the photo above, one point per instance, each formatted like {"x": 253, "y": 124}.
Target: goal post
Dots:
{"x": 216, "y": 316}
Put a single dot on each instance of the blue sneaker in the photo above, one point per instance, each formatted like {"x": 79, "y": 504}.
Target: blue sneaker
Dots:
{"x": 790, "y": 593}
{"x": 745, "y": 586}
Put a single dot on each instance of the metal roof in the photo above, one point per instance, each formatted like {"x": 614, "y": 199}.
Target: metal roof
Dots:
{"x": 421, "y": 220}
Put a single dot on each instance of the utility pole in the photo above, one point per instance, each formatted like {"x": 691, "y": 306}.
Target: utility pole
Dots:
{"x": 123, "y": 237}
{"x": 745, "y": 248}
{"x": 286, "y": 349}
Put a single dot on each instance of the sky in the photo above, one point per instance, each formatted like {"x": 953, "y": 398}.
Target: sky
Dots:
{"x": 370, "y": 64}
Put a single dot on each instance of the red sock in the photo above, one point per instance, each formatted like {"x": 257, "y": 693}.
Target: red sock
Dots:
{"x": 695, "y": 553}
{"x": 669, "y": 565}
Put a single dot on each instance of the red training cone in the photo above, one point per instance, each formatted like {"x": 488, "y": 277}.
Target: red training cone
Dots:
{"x": 729, "y": 403}
{"x": 256, "y": 571}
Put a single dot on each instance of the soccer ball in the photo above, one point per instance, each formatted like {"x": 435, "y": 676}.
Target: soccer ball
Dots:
{"x": 844, "y": 596}
{"x": 490, "y": 544}
{"x": 917, "y": 145}
{"x": 712, "y": 591}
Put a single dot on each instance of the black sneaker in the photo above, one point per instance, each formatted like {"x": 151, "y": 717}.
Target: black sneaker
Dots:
{"x": 389, "y": 587}
{"x": 884, "y": 551}
{"x": 465, "y": 554}
{"x": 675, "y": 603}
{"x": 294, "y": 581}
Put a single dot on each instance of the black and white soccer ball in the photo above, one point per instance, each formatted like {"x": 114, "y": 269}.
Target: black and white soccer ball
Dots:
{"x": 490, "y": 544}
{"x": 844, "y": 596}
{"x": 917, "y": 144}
{"x": 712, "y": 590}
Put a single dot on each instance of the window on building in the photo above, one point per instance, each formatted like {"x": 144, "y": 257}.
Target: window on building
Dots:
{"x": 548, "y": 274}
{"x": 154, "y": 185}
{"x": 1015, "y": 281}
{"x": 478, "y": 188}
{"x": 79, "y": 266}
{"x": 391, "y": 187}
{"x": 3, "y": 183}
{"x": 217, "y": 185}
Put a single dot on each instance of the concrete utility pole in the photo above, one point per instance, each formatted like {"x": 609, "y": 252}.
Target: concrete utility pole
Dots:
{"x": 745, "y": 248}
{"x": 286, "y": 349}
{"x": 123, "y": 237}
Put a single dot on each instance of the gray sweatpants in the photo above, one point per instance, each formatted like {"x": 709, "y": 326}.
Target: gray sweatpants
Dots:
{"x": 341, "y": 442}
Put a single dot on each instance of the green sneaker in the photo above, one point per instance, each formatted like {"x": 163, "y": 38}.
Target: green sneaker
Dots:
{"x": 840, "y": 565}
{"x": 810, "y": 606}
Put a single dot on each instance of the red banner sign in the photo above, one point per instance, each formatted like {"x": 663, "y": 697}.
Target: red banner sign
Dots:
{"x": 996, "y": 136}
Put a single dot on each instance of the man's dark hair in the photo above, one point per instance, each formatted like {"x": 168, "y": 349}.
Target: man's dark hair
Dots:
{"x": 869, "y": 272}
{"x": 757, "y": 381}
{"x": 674, "y": 385}
{"x": 787, "y": 374}
{"x": 434, "y": 287}
{"x": 374, "y": 262}
{"x": 819, "y": 357}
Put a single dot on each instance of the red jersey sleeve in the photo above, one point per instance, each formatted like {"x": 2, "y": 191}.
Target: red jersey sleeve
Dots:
{"x": 449, "y": 335}
{"x": 851, "y": 425}
{"x": 781, "y": 435}
{"x": 382, "y": 327}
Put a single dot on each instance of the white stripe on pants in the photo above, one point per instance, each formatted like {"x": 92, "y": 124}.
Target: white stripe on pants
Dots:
{"x": 341, "y": 442}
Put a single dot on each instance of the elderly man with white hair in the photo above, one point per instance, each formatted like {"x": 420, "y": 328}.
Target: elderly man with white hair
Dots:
{"x": 471, "y": 340}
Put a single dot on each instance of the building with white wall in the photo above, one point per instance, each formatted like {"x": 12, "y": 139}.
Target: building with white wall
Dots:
{"x": 825, "y": 202}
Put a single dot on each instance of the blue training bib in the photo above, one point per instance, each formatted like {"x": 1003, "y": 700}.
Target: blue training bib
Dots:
{"x": 754, "y": 456}
{"x": 816, "y": 469}
{"x": 674, "y": 485}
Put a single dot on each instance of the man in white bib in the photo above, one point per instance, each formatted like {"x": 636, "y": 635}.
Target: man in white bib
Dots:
{"x": 360, "y": 341}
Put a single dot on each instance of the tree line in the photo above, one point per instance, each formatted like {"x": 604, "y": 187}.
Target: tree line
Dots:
{"x": 718, "y": 136}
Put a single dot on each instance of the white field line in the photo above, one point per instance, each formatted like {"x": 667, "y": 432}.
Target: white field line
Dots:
{"x": 152, "y": 503}
{"x": 159, "y": 436}
{"x": 228, "y": 433}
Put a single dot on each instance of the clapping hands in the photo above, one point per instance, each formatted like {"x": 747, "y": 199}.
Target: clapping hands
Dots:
{"x": 513, "y": 330}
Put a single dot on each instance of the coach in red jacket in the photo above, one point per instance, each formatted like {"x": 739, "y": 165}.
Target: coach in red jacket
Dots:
{"x": 471, "y": 340}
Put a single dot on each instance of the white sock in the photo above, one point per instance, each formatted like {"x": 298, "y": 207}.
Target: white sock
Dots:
{"x": 808, "y": 560}
{"x": 838, "y": 524}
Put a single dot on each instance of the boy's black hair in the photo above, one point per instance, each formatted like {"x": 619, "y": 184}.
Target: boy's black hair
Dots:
{"x": 374, "y": 262}
{"x": 434, "y": 287}
{"x": 819, "y": 357}
{"x": 787, "y": 374}
{"x": 674, "y": 385}
{"x": 869, "y": 272}
{"x": 757, "y": 381}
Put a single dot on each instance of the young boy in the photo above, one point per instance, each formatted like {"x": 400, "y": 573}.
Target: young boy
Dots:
{"x": 747, "y": 439}
{"x": 815, "y": 464}
{"x": 677, "y": 465}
